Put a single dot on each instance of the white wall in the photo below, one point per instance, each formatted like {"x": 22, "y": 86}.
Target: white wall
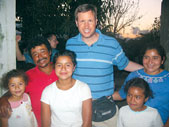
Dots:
{"x": 7, "y": 37}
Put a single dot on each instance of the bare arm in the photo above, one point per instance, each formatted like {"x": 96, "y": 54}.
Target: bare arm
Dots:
{"x": 45, "y": 115}
{"x": 87, "y": 113}
{"x": 167, "y": 123}
{"x": 132, "y": 66}
{"x": 116, "y": 96}
{"x": 19, "y": 55}
{"x": 4, "y": 122}
{"x": 4, "y": 105}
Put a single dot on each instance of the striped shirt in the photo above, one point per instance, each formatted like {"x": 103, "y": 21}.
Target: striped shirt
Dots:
{"x": 95, "y": 63}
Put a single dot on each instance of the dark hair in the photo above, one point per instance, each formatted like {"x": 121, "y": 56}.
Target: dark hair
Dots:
{"x": 13, "y": 74}
{"x": 37, "y": 41}
{"x": 49, "y": 35}
{"x": 157, "y": 47}
{"x": 85, "y": 8}
{"x": 69, "y": 53}
{"x": 140, "y": 83}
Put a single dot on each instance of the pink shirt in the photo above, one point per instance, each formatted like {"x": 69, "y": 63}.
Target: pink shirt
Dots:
{"x": 37, "y": 82}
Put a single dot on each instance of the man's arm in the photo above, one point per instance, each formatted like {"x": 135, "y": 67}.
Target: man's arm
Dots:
{"x": 87, "y": 113}
{"x": 5, "y": 107}
{"x": 167, "y": 123}
{"x": 19, "y": 55}
{"x": 132, "y": 66}
{"x": 4, "y": 122}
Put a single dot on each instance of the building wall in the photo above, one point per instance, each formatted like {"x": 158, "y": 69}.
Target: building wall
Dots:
{"x": 164, "y": 30}
{"x": 7, "y": 38}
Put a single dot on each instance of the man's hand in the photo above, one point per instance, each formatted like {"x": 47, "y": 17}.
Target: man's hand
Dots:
{"x": 116, "y": 96}
{"x": 5, "y": 108}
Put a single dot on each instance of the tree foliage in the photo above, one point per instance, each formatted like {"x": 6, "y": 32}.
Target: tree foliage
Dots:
{"x": 133, "y": 47}
{"x": 40, "y": 16}
{"x": 155, "y": 30}
{"x": 120, "y": 14}
{"x": 44, "y": 16}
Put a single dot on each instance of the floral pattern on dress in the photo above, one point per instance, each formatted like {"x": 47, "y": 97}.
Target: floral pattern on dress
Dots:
{"x": 151, "y": 79}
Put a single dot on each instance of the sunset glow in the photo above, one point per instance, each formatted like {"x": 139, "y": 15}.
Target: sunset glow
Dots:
{"x": 150, "y": 9}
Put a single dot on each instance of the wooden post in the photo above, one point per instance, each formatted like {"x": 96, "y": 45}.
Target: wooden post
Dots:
{"x": 7, "y": 38}
{"x": 164, "y": 30}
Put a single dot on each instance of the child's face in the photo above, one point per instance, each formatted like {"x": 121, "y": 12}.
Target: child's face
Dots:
{"x": 16, "y": 87}
{"x": 136, "y": 98}
{"x": 64, "y": 67}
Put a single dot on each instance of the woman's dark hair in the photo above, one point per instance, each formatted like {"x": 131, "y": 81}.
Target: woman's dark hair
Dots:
{"x": 13, "y": 74}
{"x": 69, "y": 53}
{"x": 157, "y": 47}
{"x": 140, "y": 83}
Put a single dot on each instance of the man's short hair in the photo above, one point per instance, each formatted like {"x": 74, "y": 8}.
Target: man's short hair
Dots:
{"x": 85, "y": 8}
{"x": 38, "y": 41}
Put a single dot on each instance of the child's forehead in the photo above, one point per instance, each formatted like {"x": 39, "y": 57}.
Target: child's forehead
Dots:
{"x": 135, "y": 88}
{"x": 65, "y": 57}
{"x": 16, "y": 78}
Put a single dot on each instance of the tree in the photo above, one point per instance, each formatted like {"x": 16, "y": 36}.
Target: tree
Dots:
{"x": 133, "y": 47}
{"x": 164, "y": 31}
{"x": 43, "y": 16}
{"x": 155, "y": 30}
{"x": 119, "y": 14}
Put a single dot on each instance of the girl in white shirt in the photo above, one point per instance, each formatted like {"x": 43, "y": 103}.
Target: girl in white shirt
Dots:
{"x": 136, "y": 114}
{"x": 66, "y": 102}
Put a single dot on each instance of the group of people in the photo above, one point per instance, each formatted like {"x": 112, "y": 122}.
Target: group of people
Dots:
{"x": 25, "y": 56}
{"x": 61, "y": 91}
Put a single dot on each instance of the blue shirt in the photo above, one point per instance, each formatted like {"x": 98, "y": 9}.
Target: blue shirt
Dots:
{"x": 95, "y": 63}
{"x": 30, "y": 60}
{"x": 159, "y": 84}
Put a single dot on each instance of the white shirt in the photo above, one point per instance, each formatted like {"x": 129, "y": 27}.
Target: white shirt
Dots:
{"x": 66, "y": 105}
{"x": 146, "y": 118}
{"x": 22, "y": 115}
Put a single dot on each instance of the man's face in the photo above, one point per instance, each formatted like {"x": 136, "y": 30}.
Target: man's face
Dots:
{"x": 86, "y": 24}
{"x": 53, "y": 41}
{"x": 41, "y": 56}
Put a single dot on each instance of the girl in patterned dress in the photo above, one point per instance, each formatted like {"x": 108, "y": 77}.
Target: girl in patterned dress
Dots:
{"x": 21, "y": 114}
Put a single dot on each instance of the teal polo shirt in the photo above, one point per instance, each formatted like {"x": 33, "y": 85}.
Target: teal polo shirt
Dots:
{"x": 95, "y": 63}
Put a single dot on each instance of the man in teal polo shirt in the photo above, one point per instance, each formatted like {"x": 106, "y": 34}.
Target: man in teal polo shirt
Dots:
{"x": 96, "y": 55}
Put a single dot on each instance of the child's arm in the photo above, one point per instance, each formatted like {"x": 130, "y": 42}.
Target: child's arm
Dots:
{"x": 45, "y": 115}
{"x": 87, "y": 113}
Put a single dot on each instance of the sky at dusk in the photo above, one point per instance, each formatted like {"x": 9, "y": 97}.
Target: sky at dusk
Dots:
{"x": 149, "y": 9}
